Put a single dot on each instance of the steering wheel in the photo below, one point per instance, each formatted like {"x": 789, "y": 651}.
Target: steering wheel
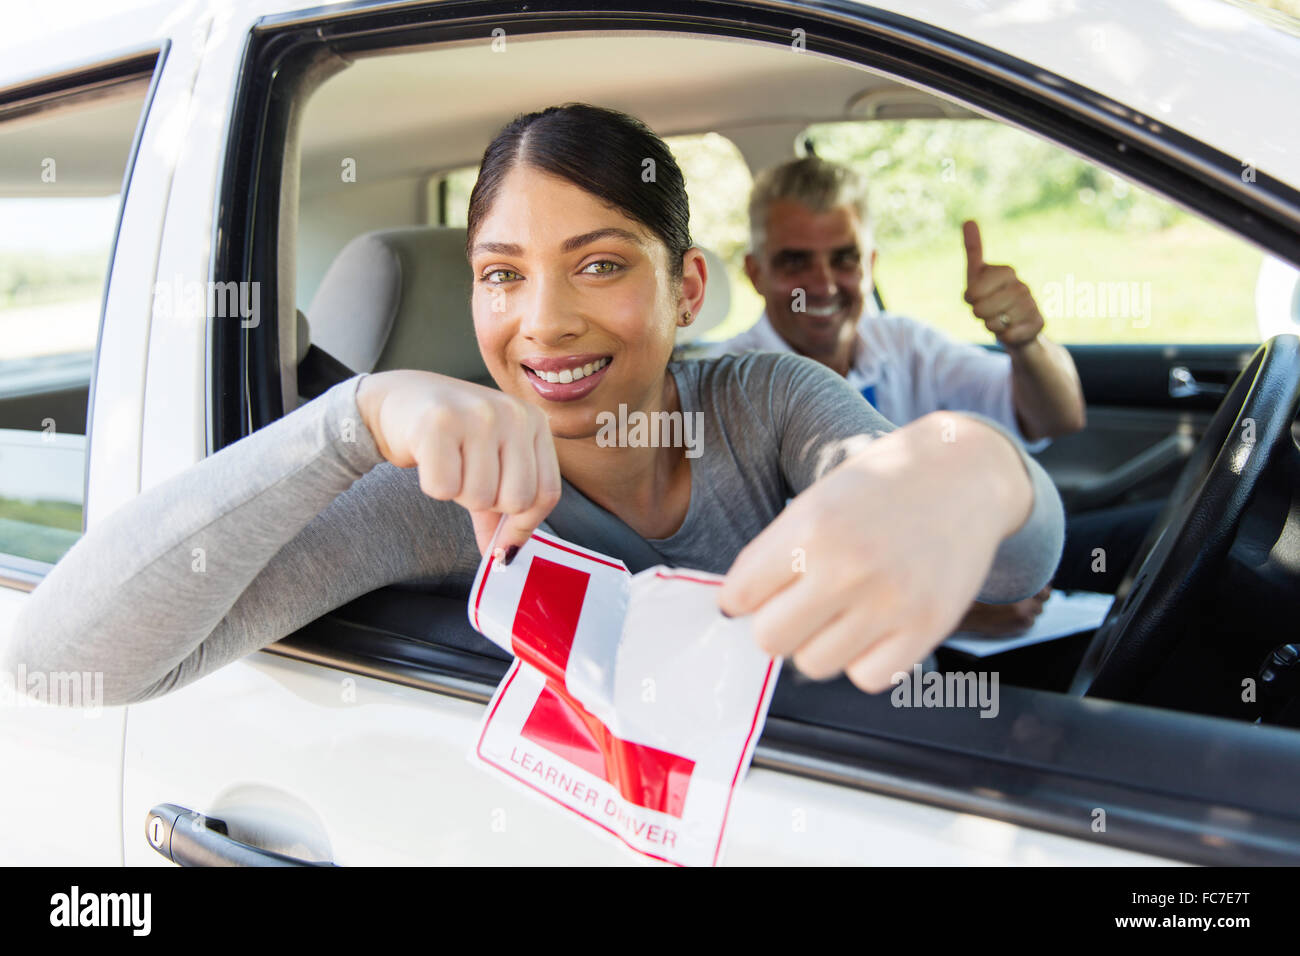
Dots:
{"x": 1248, "y": 435}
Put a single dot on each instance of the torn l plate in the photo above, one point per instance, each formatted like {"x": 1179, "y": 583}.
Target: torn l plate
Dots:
{"x": 632, "y": 701}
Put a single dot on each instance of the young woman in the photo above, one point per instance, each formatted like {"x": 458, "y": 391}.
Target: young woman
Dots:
{"x": 583, "y": 265}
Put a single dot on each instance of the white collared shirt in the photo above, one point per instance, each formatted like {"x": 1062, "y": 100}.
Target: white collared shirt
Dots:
{"x": 907, "y": 369}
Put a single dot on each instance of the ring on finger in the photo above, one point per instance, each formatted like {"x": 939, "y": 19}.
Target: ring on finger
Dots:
{"x": 1004, "y": 320}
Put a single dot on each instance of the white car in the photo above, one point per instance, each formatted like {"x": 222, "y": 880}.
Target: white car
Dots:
{"x": 318, "y": 158}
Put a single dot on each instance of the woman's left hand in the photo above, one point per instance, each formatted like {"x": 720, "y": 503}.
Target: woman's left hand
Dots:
{"x": 875, "y": 564}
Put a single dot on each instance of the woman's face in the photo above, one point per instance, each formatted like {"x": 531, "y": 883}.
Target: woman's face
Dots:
{"x": 571, "y": 290}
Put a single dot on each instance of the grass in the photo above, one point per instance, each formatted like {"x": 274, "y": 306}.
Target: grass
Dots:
{"x": 1198, "y": 280}
{"x": 39, "y": 530}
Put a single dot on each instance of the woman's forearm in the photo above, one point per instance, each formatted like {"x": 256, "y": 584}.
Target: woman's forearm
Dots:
{"x": 1028, "y": 506}
{"x": 136, "y": 595}
{"x": 985, "y": 451}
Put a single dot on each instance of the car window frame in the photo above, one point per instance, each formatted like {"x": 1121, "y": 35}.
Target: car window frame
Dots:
{"x": 131, "y": 66}
{"x": 1050, "y": 779}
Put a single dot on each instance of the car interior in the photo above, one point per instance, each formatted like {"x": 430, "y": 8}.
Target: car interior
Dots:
{"x": 380, "y": 278}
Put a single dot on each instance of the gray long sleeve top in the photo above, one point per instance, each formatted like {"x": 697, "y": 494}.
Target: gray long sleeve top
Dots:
{"x": 304, "y": 515}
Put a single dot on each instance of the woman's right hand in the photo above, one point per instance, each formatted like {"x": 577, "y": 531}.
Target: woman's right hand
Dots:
{"x": 487, "y": 451}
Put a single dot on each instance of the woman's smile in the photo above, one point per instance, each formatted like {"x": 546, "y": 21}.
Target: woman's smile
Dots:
{"x": 565, "y": 378}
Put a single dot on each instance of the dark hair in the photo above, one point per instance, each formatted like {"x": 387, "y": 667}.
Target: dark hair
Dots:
{"x": 602, "y": 151}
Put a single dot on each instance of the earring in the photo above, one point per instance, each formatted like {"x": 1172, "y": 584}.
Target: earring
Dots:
{"x": 687, "y": 316}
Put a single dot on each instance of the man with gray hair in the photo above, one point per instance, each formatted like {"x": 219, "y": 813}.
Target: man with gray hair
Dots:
{"x": 812, "y": 259}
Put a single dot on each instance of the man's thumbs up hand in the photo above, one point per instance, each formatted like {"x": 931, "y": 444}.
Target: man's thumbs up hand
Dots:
{"x": 970, "y": 232}
{"x": 997, "y": 296}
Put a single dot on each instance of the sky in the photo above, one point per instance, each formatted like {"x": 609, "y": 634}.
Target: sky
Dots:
{"x": 50, "y": 226}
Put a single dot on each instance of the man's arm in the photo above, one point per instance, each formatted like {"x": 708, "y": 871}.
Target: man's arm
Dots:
{"x": 1046, "y": 391}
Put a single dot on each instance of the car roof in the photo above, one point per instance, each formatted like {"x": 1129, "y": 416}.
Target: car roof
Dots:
{"x": 1205, "y": 67}
{"x": 377, "y": 111}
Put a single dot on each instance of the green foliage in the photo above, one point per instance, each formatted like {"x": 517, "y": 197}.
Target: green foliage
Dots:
{"x": 34, "y": 280}
{"x": 54, "y": 514}
{"x": 717, "y": 184}
{"x": 38, "y": 530}
{"x": 1197, "y": 281}
{"x": 927, "y": 176}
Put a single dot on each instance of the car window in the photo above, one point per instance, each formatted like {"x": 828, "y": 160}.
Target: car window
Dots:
{"x": 447, "y": 196}
{"x": 718, "y": 184}
{"x": 422, "y": 177}
{"x": 61, "y": 172}
{"x": 1107, "y": 261}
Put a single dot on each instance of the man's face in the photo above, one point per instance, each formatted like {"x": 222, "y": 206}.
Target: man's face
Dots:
{"x": 812, "y": 275}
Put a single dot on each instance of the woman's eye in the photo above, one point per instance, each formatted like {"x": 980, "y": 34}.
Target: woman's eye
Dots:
{"x": 613, "y": 267}
{"x": 492, "y": 275}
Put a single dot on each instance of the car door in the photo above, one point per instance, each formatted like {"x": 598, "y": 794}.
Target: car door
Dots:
{"x": 69, "y": 144}
{"x": 1148, "y": 405}
{"x": 293, "y": 758}
{"x": 347, "y": 743}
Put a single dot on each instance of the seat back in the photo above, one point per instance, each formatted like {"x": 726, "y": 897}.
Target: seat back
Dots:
{"x": 399, "y": 298}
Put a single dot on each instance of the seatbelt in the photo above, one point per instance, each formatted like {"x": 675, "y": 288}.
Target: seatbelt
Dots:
{"x": 579, "y": 519}
{"x": 318, "y": 371}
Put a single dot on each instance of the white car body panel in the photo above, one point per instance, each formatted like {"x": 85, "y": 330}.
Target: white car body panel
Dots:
{"x": 175, "y": 421}
{"x": 272, "y": 745}
{"x": 320, "y": 764}
{"x": 119, "y": 402}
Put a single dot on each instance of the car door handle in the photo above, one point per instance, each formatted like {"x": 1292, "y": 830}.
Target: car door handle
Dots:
{"x": 1170, "y": 451}
{"x": 190, "y": 839}
{"x": 1183, "y": 384}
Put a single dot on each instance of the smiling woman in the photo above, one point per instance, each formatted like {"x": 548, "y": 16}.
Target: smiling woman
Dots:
{"x": 579, "y": 244}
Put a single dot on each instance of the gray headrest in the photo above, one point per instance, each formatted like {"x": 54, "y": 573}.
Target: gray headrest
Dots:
{"x": 399, "y": 298}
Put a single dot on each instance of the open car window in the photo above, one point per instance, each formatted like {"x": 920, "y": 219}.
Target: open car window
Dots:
{"x": 64, "y": 153}
{"x": 1038, "y": 754}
